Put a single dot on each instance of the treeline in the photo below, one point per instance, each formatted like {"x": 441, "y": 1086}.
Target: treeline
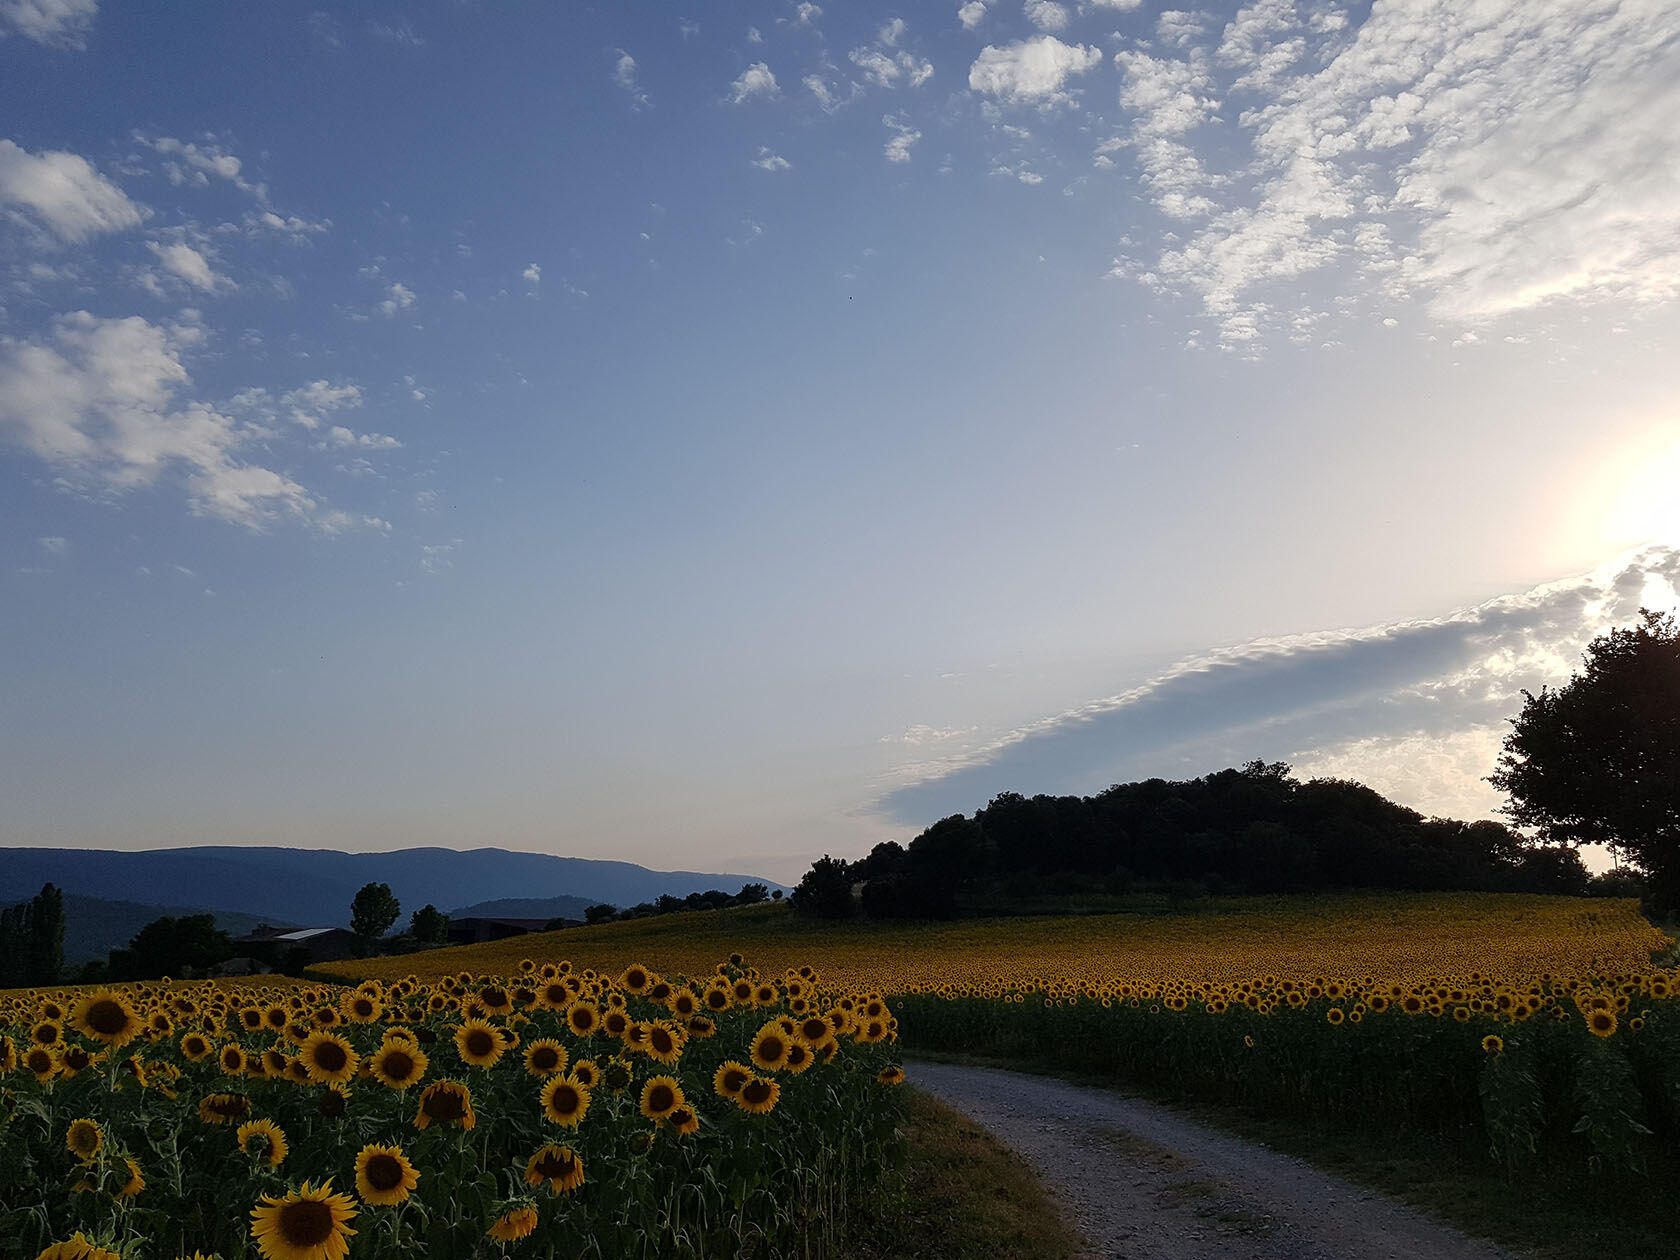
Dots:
{"x": 32, "y": 940}
{"x": 1253, "y": 830}
{"x": 711, "y": 899}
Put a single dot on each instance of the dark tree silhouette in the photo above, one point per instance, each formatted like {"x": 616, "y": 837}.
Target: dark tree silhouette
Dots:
{"x": 1598, "y": 760}
{"x": 825, "y": 891}
{"x": 32, "y": 940}
{"x": 372, "y": 912}
{"x": 429, "y": 925}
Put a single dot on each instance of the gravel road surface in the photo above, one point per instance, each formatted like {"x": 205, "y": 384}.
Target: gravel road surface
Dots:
{"x": 1141, "y": 1182}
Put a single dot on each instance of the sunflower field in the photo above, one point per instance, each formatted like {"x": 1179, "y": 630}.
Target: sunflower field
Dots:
{"x": 1536, "y": 1025}
{"x": 551, "y": 1111}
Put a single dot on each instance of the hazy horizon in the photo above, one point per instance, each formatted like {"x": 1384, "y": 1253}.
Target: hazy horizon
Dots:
{"x": 716, "y": 439}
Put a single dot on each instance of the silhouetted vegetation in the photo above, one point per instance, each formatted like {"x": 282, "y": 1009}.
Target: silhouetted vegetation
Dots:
{"x": 32, "y": 940}
{"x": 711, "y": 899}
{"x": 1598, "y": 760}
{"x": 429, "y": 926}
{"x": 1253, "y": 830}
{"x": 372, "y": 912}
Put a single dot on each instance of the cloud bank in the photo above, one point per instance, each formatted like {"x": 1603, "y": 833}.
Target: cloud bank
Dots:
{"x": 1416, "y": 709}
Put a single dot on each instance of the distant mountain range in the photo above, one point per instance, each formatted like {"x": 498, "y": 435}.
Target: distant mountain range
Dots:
{"x": 314, "y": 887}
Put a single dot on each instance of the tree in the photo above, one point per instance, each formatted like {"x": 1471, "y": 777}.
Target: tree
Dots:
{"x": 1598, "y": 760}
{"x": 825, "y": 891}
{"x": 600, "y": 914}
{"x": 752, "y": 894}
{"x": 372, "y": 912}
{"x": 32, "y": 940}
{"x": 190, "y": 945}
{"x": 429, "y": 925}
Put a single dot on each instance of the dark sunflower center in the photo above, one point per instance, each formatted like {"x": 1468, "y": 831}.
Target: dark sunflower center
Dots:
{"x": 565, "y": 1100}
{"x": 771, "y": 1048}
{"x": 480, "y": 1042}
{"x": 306, "y": 1223}
{"x": 735, "y": 1081}
{"x": 554, "y": 1165}
{"x": 330, "y": 1057}
{"x": 230, "y": 1105}
{"x": 107, "y": 1017}
{"x": 543, "y": 1058}
{"x": 756, "y": 1092}
{"x": 444, "y": 1105}
{"x": 660, "y": 1098}
{"x": 661, "y": 1041}
{"x": 383, "y": 1172}
{"x": 494, "y": 997}
{"x": 85, "y": 1138}
{"x": 398, "y": 1066}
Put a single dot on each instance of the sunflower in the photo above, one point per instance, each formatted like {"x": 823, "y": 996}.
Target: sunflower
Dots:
{"x": 384, "y": 1176}
{"x": 799, "y": 1057}
{"x": 8, "y": 1055}
{"x": 683, "y": 1003}
{"x": 232, "y": 1060}
{"x": 275, "y": 1062}
{"x": 398, "y": 1065}
{"x": 447, "y": 1102}
{"x": 478, "y": 1043}
{"x": 565, "y": 1100}
{"x": 84, "y": 1140}
{"x": 263, "y": 1138}
{"x": 663, "y": 1043}
{"x": 558, "y": 1166}
{"x": 545, "y": 1057}
{"x": 893, "y": 1075}
{"x": 661, "y": 1095}
{"x": 615, "y": 1023}
{"x": 223, "y": 1108}
{"x": 585, "y": 1073}
{"x": 758, "y": 1096}
{"x": 134, "y": 1183}
{"x": 49, "y": 1032}
{"x": 582, "y": 1018}
{"x": 495, "y": 999}
{"x": 1334, "y": 1015}
{"x": 105, "y": 1015}
{"x": 770, "y": 1047}
{"x": 1492, "y": 1044}
{"x": 514, "y": 1225}
{"x": 1601, "y": 1023}
{"x": 717, "y": 998}
{"x": 731, "y": 1078}
{"x": 683, "y": 1120}
{"x": 635, "y": 978}
{"x": 306, "y": 1224}
{"x": 78, "y": 1247}
{"x": 361, "y": 1008}
{"x": 328, "y": 1058}
{"x": 196, "y": 1046}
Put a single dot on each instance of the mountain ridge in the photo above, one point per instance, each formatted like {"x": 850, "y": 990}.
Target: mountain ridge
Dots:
{"x": 314, "y": 887}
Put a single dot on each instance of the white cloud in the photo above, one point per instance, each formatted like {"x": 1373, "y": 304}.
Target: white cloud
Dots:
{"x": 309, "y": 404}
{"x": 768, "y": 161}
{"x": 806, "y": 14}
{"x": 1033, "y": 72}
{"x": 1122, "y": 6}
{"x": 55, "y": 23}
{"x": 624, "y": 74}
{"x": 755, "y": 80}
{"x": 97, "y": 401}
{"x": 295, "y": 229}
{"x": 339, "y": 437}
{"x": 888, "y": 70}
{"x": 190, "y": 163}
{"x": 1047, "y": 15}
{"x": 892, "y": 32}
{"x": 827, "y": 98}
{"x": 1179, "y": 27}
{"x": 399, "y": 297}
{"x": 53, "y": 546}
{"x": 188, "y": 264}
{"x": 62, "y": 192}
{"x": 972, "y": 14}
{"x": 1509, "y": 154}
{"x": 898, "y": 146}
{"x": 532, "y": 275}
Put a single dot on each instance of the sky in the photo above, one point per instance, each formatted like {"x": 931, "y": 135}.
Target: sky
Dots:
{"x": 715, "y": 436}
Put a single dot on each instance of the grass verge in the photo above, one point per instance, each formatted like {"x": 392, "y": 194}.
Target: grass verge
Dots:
{"x": 1545, "y": 1212}
{"x": 966, "y": 1196}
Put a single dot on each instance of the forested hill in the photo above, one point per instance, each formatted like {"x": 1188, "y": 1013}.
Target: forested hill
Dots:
{"x": 315, "y": 886}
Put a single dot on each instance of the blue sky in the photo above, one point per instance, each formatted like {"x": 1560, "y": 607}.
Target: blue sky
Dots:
{"x": 718, "y": 437}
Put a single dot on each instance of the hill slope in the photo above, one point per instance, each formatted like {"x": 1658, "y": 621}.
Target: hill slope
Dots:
{"x": 314, "y": 886}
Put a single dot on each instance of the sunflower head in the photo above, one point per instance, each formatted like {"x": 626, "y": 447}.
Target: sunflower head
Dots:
{"x": 263, "y": 1139}
{"x": 545, "y": 1057}
{"x": 565, "y": 1101}
{"x": 310, "y": 1223}
{"x": 447, "y": 1102}
{"x": 84, "y": 1140}
{"x": 758, "y": 1096}
{"x": 398, "y": 1064}
{"x": 384, "y": 1176}
{"x": 556, "y": 1166}
{"x": 105, "y": 1015}
{"x": 513, "y": 1225}
{"x": 661, "y": 1095}
{"x": 731, "y": 1078}
{"x": 328, "y": 1058}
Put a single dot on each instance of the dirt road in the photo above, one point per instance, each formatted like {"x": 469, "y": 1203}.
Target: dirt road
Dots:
{"x": 1141, "y": 1182}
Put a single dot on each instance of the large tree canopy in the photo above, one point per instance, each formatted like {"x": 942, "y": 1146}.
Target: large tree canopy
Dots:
{"x": 1598, "y": 760}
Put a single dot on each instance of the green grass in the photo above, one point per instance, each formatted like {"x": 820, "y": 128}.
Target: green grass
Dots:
{"x": 965, "y": 1196}
{"x": 1549, "y": 1213}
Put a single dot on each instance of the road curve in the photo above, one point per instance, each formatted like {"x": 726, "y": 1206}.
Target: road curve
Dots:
{"x": 1141, "y": 1182}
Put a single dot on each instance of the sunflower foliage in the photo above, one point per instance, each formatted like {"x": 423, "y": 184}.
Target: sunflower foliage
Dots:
{"x": 549, "y": 1112}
